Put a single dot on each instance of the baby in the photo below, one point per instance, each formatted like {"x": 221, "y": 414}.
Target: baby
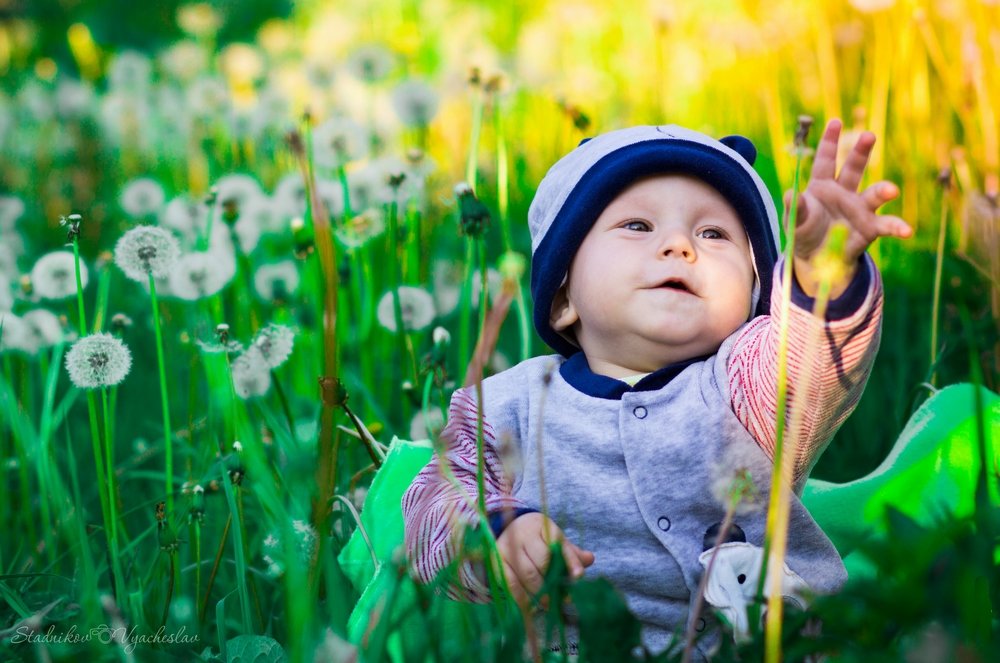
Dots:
{"x": 655, "y": 276}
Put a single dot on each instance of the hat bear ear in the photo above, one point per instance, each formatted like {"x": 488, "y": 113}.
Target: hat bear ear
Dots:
{"x": 584, "y": 141}
{"x": 742, "y": 145}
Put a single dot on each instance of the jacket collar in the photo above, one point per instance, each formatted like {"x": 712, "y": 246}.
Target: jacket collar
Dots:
{"x": 576, "y": 371}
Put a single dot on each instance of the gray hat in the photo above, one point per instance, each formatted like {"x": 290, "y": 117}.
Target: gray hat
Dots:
{"x": 581, "y": 185}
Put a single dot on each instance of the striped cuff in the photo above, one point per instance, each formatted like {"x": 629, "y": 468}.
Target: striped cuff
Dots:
{"x": 849, "y": 302}
{"x": 499, "y": 520}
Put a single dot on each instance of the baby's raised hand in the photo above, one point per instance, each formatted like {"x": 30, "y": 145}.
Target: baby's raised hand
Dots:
{"x": 831, "y": 197}
{"x": 524, "y": 550}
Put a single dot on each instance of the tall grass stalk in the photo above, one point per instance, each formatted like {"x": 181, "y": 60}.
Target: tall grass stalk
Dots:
{"x": 241, "y": 562}
{"x": 944, "y": 180}
{"x": 168, "y": 449}
{"x": 775, "y": 506}
{"x": 503, "y": 206}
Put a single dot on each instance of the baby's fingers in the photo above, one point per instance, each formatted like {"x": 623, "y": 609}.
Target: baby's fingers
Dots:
{"x": 879, "y": 194}
{"x": 892, "y": 226}
{"x": 517, "y": 591}
{"x": 577, "y": 559}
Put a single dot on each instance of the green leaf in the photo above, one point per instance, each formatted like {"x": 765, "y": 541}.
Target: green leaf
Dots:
{"x": 254, "y": 649}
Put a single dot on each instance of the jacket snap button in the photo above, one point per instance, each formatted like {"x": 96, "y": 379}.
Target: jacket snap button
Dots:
{"x": 639, "y": 412}
{"x": 701, "y": 625}
{"x": 663, "y": 523}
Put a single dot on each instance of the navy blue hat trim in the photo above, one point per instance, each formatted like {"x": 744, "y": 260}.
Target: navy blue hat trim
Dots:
{"x": 610, "y": 176}
{"x": 576, "y": 371}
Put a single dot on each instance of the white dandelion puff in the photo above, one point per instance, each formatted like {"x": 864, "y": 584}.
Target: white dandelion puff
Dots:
{"x": 274, "y": 343}
{"x": 494, "y": 284}
{"x": 6, "y": 293}
{"x": 130, "y": 71}
{"x": 54, "y": 275}
{"x": 200, "y": 274}
{"x": 369, "y": 187}
{"x": 415, "y": 102}
{"x": 184, "y": 60}
{"x": 289, "y": 197}
{"x": 15, "y": 335}
{"x": 251, "y": 374}
{"x": 74, "y": 99}
{"x": 260, "y": 212}
{"x": 45, "y": 328}
{"x": 338, "y": 141}
{"x": 236, "y": 189}
{"x": 446, "y": 276}
{"x": 207, "y": 97}
{"x": 185, "y": 215}
{"x": 98, "y": 360}
{"x": 417, "y": 308}
{"x": 146, "y": 250}
{"x": 733, "y": 479}
{"x": 11, "y": 210}
{"x": 142, "y": 196}
{"x": 370, "y": 63}
{"x": 276, "y": 280}
{"x": 361, "y": 228}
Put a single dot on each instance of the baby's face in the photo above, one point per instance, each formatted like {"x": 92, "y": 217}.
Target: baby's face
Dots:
{"x": 664, "y": 275}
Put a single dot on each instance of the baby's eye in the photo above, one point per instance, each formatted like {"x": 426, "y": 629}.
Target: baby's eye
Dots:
{"x": 637, "y": 225}
{"x": 712, "y": 233}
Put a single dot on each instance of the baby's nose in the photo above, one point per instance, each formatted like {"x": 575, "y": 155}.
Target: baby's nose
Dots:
{"x": 678, "y": 245}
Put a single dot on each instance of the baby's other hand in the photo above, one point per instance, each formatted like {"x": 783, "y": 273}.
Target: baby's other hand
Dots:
{"x": 524, "y": 550}
{"x": 831, "y": 197}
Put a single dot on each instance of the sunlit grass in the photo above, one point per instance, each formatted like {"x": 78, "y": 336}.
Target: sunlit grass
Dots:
{"x": 280, "y": 451}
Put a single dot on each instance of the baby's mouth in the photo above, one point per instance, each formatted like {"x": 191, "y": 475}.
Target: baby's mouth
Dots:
{"x": 676, "y": 284}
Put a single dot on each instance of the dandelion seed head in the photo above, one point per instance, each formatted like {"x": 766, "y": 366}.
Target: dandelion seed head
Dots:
{"x": 259, "y": 212}
{"x": 251, "y": 374}
{"x": 415, "y": 102}
{"x": 185, "y": 215}
{"x": 207, "y": 97}
{"x": 6, "y": 293}
{"x": 142, "y": 197}
{"x": 338, "y": 141}
{"x": 733, "y": 479}
{"x": 184, "y": 60}
{"x": 146, "y": 250}
{"x": 370, "y": 63}
{"x": 277, "y": 280}
{"x": 198, "y": 489}
{"x": 130, "y": 71}
{"x": 45, "y": 328}
{"x": 441, "y": 336}
{"x": 238, "y": 447}
{"x": 417, "y": 309}
{"x": 201, "y": 274}
{"x": 54, "y": 275}
{"x": 274, "y": 343}
{"x": 98, "y": 360}
{"x": 236, "y": 188}
{"x": 361, "y": 228}
{"x": 11, "y": 210}
{"x": 289, "y": 197}
{"x": 15, "y": 334}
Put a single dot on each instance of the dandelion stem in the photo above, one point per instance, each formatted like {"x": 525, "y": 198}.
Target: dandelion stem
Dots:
{"x": 938, "y": 272}
{"x": 727, "y": 523}
{"x": 164, "y": 398}
{"x": 215, "y": 566}
{"x": 112, "y": 523}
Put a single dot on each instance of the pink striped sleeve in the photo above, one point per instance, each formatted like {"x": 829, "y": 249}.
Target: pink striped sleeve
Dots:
{"x": 831, "y": 359}
{"x": 435, "y": 514}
